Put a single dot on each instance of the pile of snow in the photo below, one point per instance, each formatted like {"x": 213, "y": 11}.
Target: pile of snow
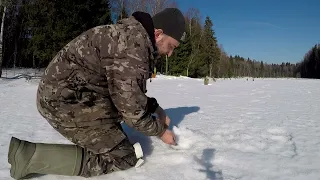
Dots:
{"x": 233, "y": 129}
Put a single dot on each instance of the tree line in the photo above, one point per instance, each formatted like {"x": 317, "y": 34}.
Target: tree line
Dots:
{"x": 35, "y": 30}
{"x": 309, "y": 67}
{"x": 201, "y": 55}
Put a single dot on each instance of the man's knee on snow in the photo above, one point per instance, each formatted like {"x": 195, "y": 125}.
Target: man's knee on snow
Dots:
{"x": 121, "y": 157}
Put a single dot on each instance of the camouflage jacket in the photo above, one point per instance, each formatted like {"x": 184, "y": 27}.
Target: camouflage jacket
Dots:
{"x": 101, "y": 76}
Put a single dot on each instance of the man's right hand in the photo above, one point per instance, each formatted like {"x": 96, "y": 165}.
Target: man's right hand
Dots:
{"x": 168, "y": 137}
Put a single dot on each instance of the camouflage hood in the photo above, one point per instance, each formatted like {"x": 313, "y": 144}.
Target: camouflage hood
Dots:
{"x": 147, "y": 23}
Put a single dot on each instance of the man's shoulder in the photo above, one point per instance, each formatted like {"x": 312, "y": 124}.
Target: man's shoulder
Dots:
{"x": 133, "y": 29}
{"x": 131, "y": 23}
{"x": 128, "y": 36}
{"x": 126, "y": 26}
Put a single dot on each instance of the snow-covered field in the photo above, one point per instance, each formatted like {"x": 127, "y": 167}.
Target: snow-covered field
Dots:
{"x": 231, "y": 129}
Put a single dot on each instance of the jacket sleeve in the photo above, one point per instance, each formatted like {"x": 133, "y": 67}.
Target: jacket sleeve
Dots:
{"x": 126, "y": 83}
{"x": 152, "y": 105}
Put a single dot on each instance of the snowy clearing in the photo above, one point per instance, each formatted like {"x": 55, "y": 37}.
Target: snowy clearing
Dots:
{"x": 231, "y": 129}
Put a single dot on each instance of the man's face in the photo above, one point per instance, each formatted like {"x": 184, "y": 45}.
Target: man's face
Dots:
{"x": 165, "y": 43}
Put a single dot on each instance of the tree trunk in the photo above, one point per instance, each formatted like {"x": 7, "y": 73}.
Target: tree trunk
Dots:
{"x": 191, "y": 58}
{"x": 166, "y": 65}
{"x": 210, "y": 72}
{"x": 1, "y": 39}
{"x": 33, "y": 61}
{"x": 121, "y": 9}
{"x": 194, "y": 53}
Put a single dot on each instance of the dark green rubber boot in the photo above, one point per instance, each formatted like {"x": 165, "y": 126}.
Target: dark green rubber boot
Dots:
{"x": 27, "y": 158}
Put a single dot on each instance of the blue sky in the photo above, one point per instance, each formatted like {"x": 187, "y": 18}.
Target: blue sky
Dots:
{"x": 273, "y": 31}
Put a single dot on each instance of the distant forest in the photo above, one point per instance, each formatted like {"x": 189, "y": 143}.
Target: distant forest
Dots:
{"x": 35, "y": 30}
{"x": 309, "y": 67}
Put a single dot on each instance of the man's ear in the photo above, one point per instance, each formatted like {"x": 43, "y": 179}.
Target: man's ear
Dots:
{"x": 158, "y": 32}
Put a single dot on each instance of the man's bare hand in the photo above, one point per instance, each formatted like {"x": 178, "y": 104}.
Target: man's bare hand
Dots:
{"x": 168, "y": 137}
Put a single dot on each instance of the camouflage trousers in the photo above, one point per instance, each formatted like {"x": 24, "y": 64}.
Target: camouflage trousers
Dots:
{"x": 103, "y": 154}
{"x": 106, "y": 146}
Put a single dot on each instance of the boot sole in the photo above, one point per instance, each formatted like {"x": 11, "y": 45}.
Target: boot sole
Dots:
{"x": 13, "y": 151}
{"x": 139, "y": 163}
{"x": 138, "y": 150}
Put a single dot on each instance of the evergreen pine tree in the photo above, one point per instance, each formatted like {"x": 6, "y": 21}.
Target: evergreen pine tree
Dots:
{"x": 210, "y": 48}
{"x": 179, "y": 59}
{"x": 52, "y": 24}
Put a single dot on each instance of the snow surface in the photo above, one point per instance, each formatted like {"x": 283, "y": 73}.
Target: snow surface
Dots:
{"x": 231, "y": 129}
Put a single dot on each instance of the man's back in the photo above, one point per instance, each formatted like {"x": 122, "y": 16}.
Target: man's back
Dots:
{"x": 78, "y": 76}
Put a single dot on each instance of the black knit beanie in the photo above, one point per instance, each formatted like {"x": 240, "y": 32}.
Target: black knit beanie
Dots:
{"x": 172, "y": 22}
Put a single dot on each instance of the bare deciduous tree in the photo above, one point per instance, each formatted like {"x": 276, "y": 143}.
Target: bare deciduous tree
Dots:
{"x": 116, "y": 6}
{"x": 193, "y": 22}
{"x": 150, "y": 6}
{"x": 159, "y": 5}
{"x": 136, "y": 5}
{"x": 192, "y": 14}
{"x": 2, "y": 3}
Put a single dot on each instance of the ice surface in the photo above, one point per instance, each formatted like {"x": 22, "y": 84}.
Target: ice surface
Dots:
{"x": 232, "y": 129}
